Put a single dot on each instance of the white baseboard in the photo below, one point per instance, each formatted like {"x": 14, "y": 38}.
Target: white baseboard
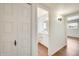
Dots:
{"x": 52, "y": 53}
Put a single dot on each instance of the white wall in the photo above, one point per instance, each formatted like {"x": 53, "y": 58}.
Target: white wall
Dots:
{"x": 57, "y": 33}
{"x": 43, "y": 39}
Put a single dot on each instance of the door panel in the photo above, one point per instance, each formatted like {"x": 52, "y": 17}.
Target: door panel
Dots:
{"x": 15, "y": 24}
{"x": 23, "y": 28}
{"x": 6, "y": 31}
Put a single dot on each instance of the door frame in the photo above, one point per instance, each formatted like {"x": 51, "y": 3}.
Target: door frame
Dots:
{"x": 34, "y": 30}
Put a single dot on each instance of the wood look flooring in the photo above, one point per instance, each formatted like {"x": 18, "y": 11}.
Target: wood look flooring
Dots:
{"x": 72, "y": 48}
{"x": 42, "y": 50}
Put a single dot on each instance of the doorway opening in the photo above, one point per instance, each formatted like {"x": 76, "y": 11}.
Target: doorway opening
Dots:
{"x": 72, "y": 34}
{"x": 42, "y": 31}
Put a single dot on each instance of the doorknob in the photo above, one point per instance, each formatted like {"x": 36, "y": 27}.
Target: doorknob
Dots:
{"x": 15, "y": 42}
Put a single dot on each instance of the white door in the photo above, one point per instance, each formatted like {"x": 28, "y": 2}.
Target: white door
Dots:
{"x": 15, "y": 29}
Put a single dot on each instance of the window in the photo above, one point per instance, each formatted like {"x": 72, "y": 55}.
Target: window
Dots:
{"x": 73, "y": 18}
{"x": 72, "y": 25}
{"x": 45, "y": 27}
{"x": 73, "y": 22}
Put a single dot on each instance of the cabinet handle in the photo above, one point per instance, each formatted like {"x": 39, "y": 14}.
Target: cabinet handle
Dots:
{"x": 15, "y": 42}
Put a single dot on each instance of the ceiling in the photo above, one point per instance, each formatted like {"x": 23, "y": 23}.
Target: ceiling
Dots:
{"x": 41, "y": 12}
{"x": 64, "y": 8}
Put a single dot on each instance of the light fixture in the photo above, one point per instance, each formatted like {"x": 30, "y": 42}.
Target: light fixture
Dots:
{"x": 59, "y": 18}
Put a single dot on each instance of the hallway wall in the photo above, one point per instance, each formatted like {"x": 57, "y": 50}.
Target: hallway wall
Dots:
{"x": 57, "y": 33}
